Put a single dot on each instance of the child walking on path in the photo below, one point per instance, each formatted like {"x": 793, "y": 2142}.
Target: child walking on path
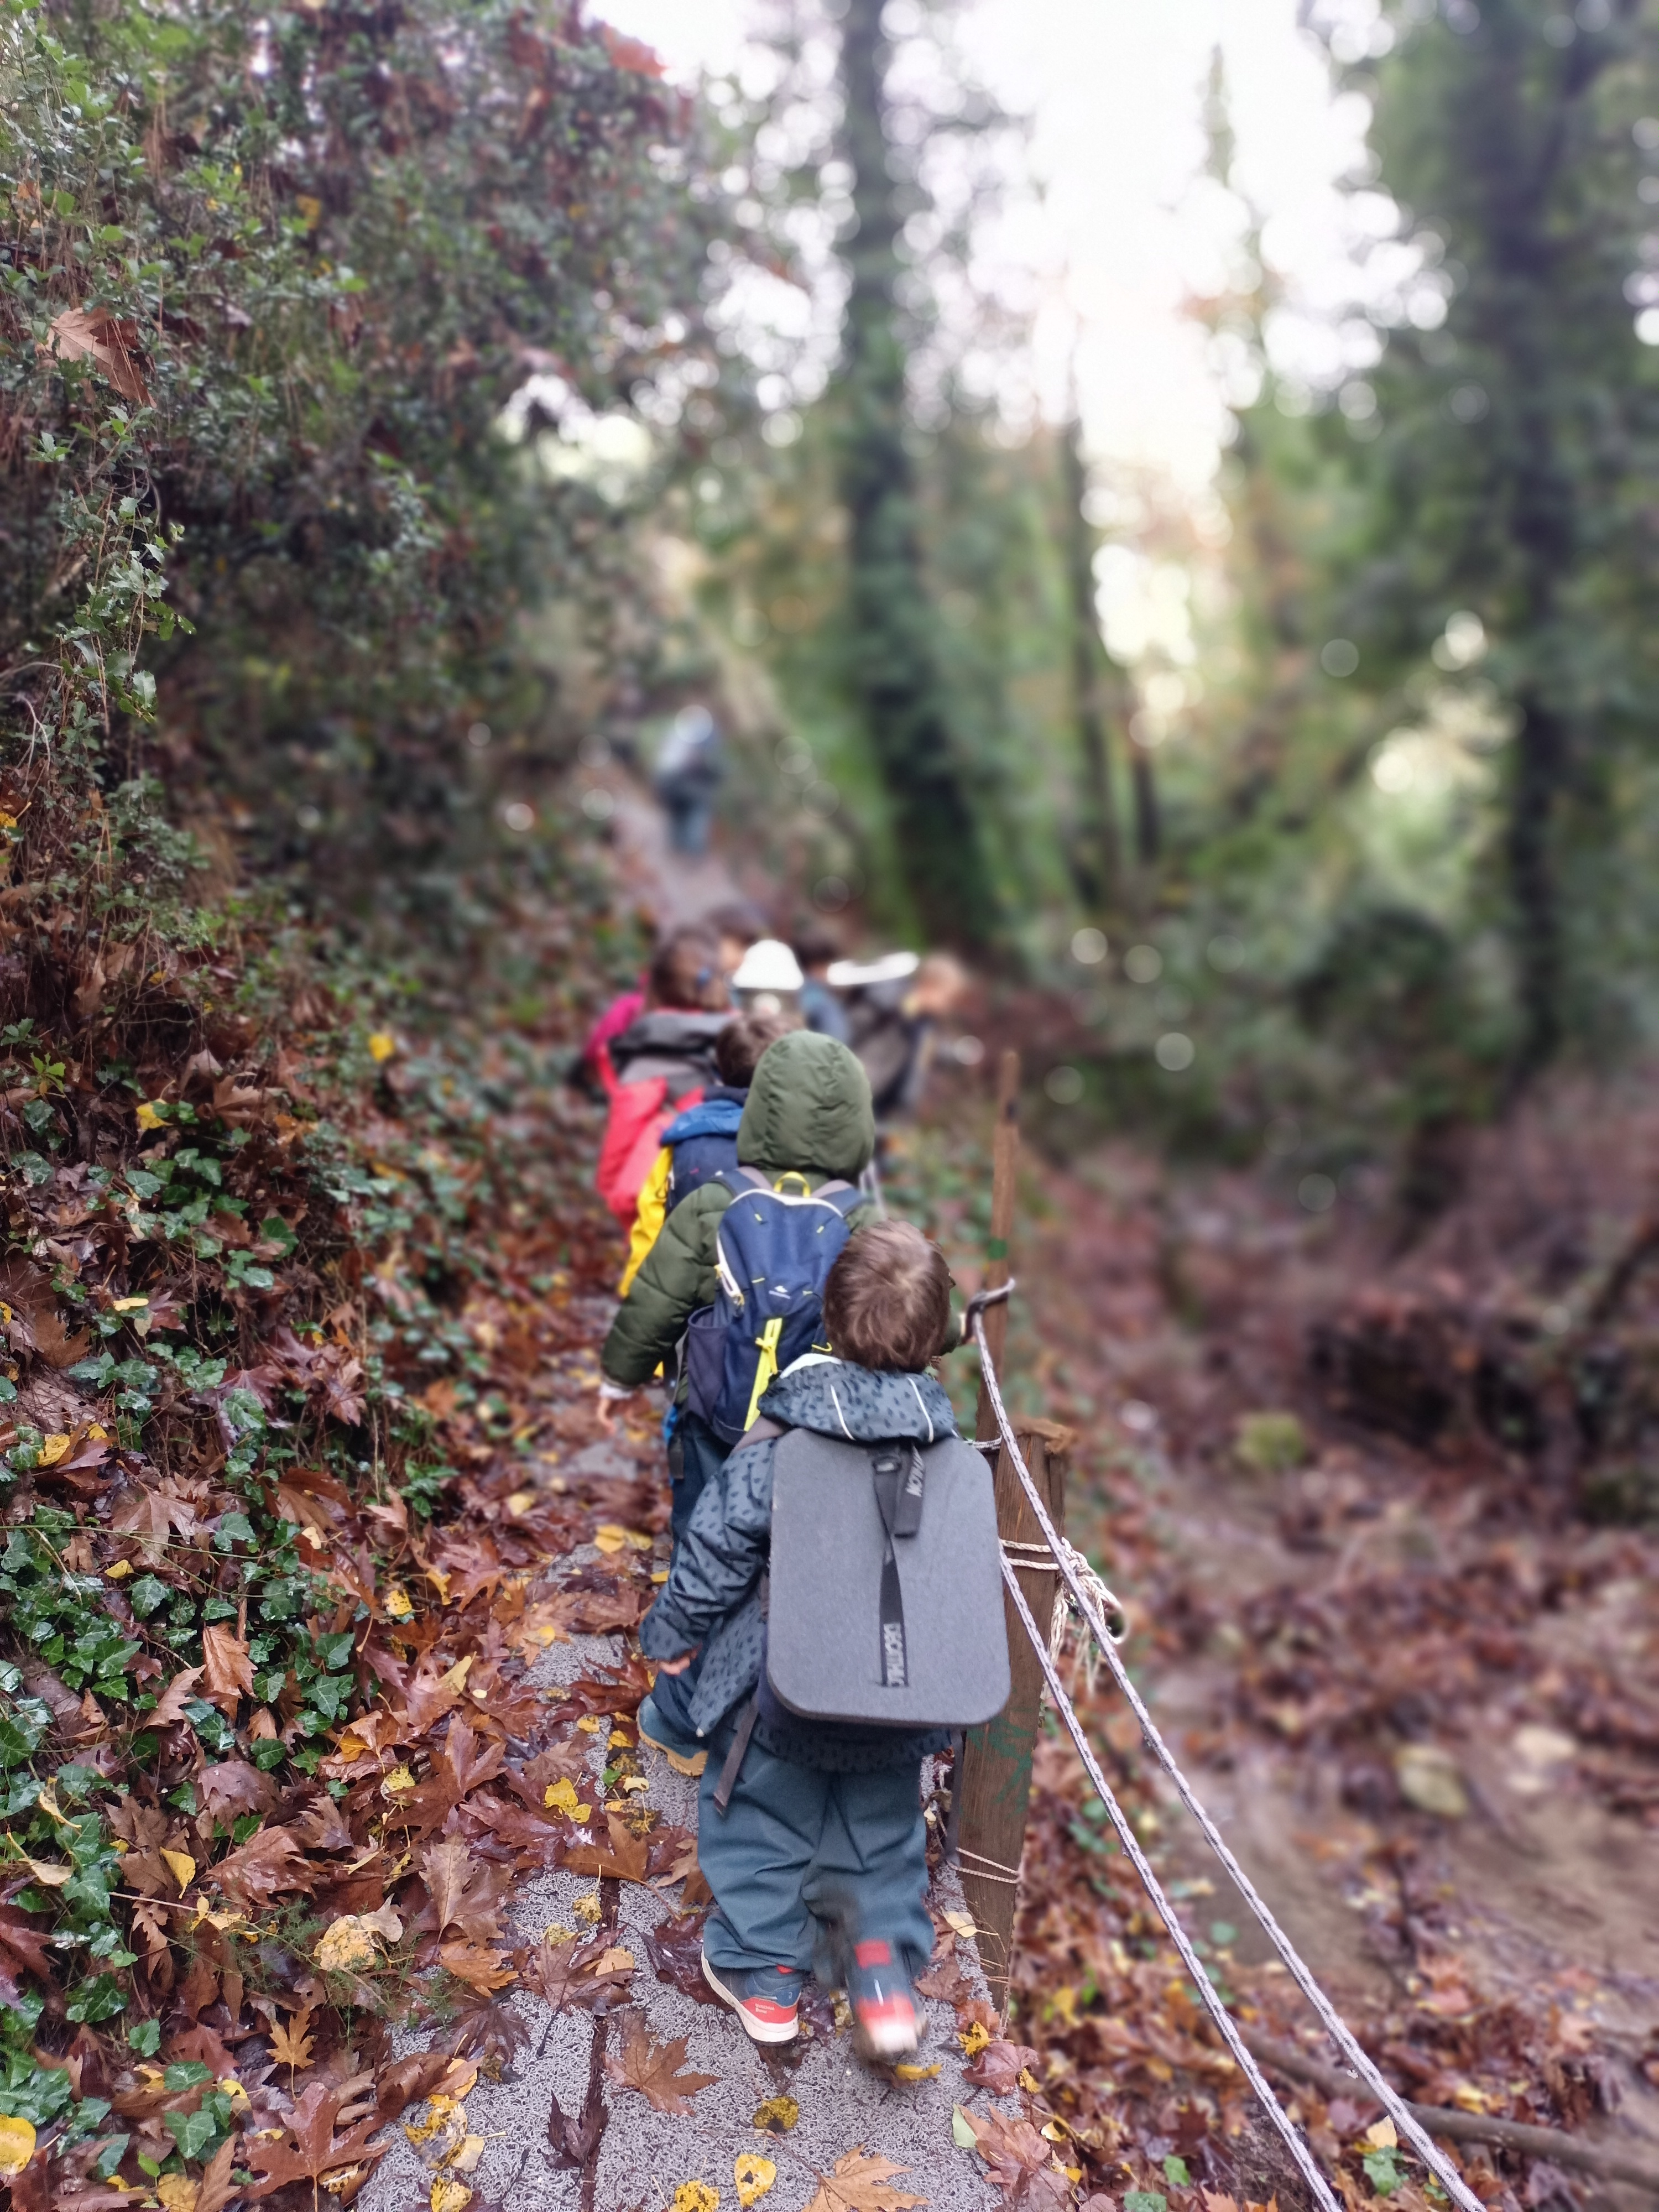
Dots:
{"x": 699, "y": 1142}
{"x": 822, "y": 1838}
{"x": 807, "y": 1120}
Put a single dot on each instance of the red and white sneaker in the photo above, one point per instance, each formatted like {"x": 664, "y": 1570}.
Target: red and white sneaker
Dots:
{"x": 885, "y": 2023}
{"x": 766, "y": 1999}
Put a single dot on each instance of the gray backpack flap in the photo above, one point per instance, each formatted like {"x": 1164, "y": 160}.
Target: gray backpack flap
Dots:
{"x": 886, "y": 1584}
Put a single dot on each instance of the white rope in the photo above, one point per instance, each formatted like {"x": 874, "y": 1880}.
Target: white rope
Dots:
{"x": 1335, "y": 2026}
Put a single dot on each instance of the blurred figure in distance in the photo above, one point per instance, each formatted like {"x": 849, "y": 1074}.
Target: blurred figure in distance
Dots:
{"x": 688, "y": 774}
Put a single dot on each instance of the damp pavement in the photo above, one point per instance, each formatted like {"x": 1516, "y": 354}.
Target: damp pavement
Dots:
{"x": 641, "y": 2157}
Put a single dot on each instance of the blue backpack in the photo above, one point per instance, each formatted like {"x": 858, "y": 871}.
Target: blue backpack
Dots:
{"x": 774, "y": 1247}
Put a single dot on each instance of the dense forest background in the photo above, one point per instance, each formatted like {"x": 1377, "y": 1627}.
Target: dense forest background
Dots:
{"x": 399, "y": 402}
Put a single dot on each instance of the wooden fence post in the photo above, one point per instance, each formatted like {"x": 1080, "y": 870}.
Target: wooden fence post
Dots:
{"x": 995, "y": 1781}
{"x": 996, "y": 1768}
{"x": 1005, "y": 1174}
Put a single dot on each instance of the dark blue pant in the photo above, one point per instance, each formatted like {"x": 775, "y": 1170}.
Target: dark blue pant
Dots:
{"x": 695, "y": 1457}
{"x": 797, "y": 1847}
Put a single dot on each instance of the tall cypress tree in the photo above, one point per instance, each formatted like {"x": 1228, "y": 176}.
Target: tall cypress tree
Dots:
{"x": 1517, "y": 439}
{"x": 893, "y": 662}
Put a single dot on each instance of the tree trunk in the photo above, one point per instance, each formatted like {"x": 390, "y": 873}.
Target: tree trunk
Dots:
{"x": 894, "y": 669}
{"x": 1540, "y": 766}
{"x": 1148, "y": 833}
{"x": 1099, "y": 858}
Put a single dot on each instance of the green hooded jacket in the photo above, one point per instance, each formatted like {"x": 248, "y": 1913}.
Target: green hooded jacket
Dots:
{"x": 808, "y": 1114}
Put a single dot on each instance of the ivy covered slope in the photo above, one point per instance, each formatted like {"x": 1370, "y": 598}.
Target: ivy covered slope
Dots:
{"x": 240, "y": 1292}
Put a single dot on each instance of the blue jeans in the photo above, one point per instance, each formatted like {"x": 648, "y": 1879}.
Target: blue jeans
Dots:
{"x": 695, "y": 1457}
{"x": 797, "y": 1847}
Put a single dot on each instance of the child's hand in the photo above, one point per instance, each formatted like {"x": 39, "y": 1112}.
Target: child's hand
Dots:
{"x": 677, "y": 1666}
{"x": 608, "y": 1402}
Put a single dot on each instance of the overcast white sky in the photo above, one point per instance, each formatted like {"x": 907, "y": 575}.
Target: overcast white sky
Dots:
{"x": 1115, "y": 88}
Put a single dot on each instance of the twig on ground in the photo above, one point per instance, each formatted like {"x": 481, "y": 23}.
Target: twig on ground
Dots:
{"x": 1454, "y": 2125}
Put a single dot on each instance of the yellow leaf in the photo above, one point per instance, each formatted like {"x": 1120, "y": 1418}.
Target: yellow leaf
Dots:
{"x": 382, "y": 1045}
{"x": 556, "y": 1932}
{"x": 98, "y": 1432}
{"x": 660, "y": 1575}
{"x": 974, "y": 2037}
{"x": 586, "y": 1909}
{"x": 456, "y": 1677}
{"x": 440, "y": 1579}
{"x": 607, "y": 1537}
{"x": 17, "y": 2145}
{"x": 347, "y": 1947}
{"x": 121, "y": 1567}
{"x": 397, "y": 1605}
{"x": 777, "y": 2115}
{"x": 148, "y": 1118}
{"x": 467, "y": 2157}
{"x": 397, "y": 1784}
{"x": 52, "y": 1448}
{"x": 178, "y": 2192}
{"x": 590, "y": 1724}
{"x": 128, "y": 1305}
{"x": 520, "y": 1502}
{"x": 917, "y": 2073}
{"x": 619, "y": 1740}
{"x": 696, "y": 2196}
{"x": 615, "y": 1961}
{"x": 633, "y": 1782}
{"x": 448, "y": 2196}
{"x": 342, "y": 2179}
{"x": 560, "y": 1796}
{"x": 962, "y": 1922}
{"x": 311, "y": 213}
{"x": 753, "y": 2175}
{"x": 441, "y": 2113}
{"x": 49, "y": 1875}
{"x": 1027, "y": 2080}
{"x": 1380, "y": 2135}
{"x": 182, "y": 1867}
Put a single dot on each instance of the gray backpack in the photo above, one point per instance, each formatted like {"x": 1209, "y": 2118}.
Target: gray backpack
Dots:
{"x": 886, "y": 1584}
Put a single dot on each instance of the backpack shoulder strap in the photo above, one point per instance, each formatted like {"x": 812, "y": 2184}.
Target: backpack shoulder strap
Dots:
{"x": 738, "y": 1180}
{"x": 845, "y": 1197}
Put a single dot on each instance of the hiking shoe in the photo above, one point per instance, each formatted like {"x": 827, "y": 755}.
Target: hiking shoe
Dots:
{"x": 766, "y": 1999}
{"x": 683, "y": 1753}
{"x": 884, "y": 2005}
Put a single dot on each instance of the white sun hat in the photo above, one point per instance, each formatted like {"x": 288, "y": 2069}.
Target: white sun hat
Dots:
{"x": 768, "y": 965}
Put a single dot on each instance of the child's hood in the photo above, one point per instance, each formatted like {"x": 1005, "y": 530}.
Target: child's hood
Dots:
{"x": 719, "y": 1114}
{"x": 808, "y": 1107}
{"x": 856, "y": 1403}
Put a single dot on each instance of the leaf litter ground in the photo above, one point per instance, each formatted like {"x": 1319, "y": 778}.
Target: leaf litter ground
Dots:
{"x": 323, "y": 1796}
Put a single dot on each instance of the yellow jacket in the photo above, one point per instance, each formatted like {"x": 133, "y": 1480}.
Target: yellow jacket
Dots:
{"x": 652, "y": 1212}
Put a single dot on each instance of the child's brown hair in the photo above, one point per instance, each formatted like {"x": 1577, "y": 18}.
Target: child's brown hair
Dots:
{"x": 739, "y": 1045}
{"x": 887, "y": 1299}
{"x": 685, "y": 974}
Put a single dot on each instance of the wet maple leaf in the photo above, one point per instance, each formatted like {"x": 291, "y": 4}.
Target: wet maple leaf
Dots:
{"x": 479, "y": 1967}
{"x": 999, "y": 2065}
{"x": 217, "y": 2186}
{"x": 233, "y": 1787}
{"x": 1020, "y": 2163}
{"x": 652, "y": 2068}
{"x": 566, "y": 1972}
{"x": 625, "y": 1858}
{"x": 291, "y": 2043}
{"x": 862, "y": 2182}
{"x": 229, "y": 1669}
{"x": 312, "y": 2150}
{"x": 267, "y": 1864}
{"x": 674, "y": 1950}
{"x": 177, "y": 1695}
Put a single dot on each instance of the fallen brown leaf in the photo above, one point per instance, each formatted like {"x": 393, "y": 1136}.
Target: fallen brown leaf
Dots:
{"x": 652, "y": 2068}
{"x": 861, "y": 2182}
